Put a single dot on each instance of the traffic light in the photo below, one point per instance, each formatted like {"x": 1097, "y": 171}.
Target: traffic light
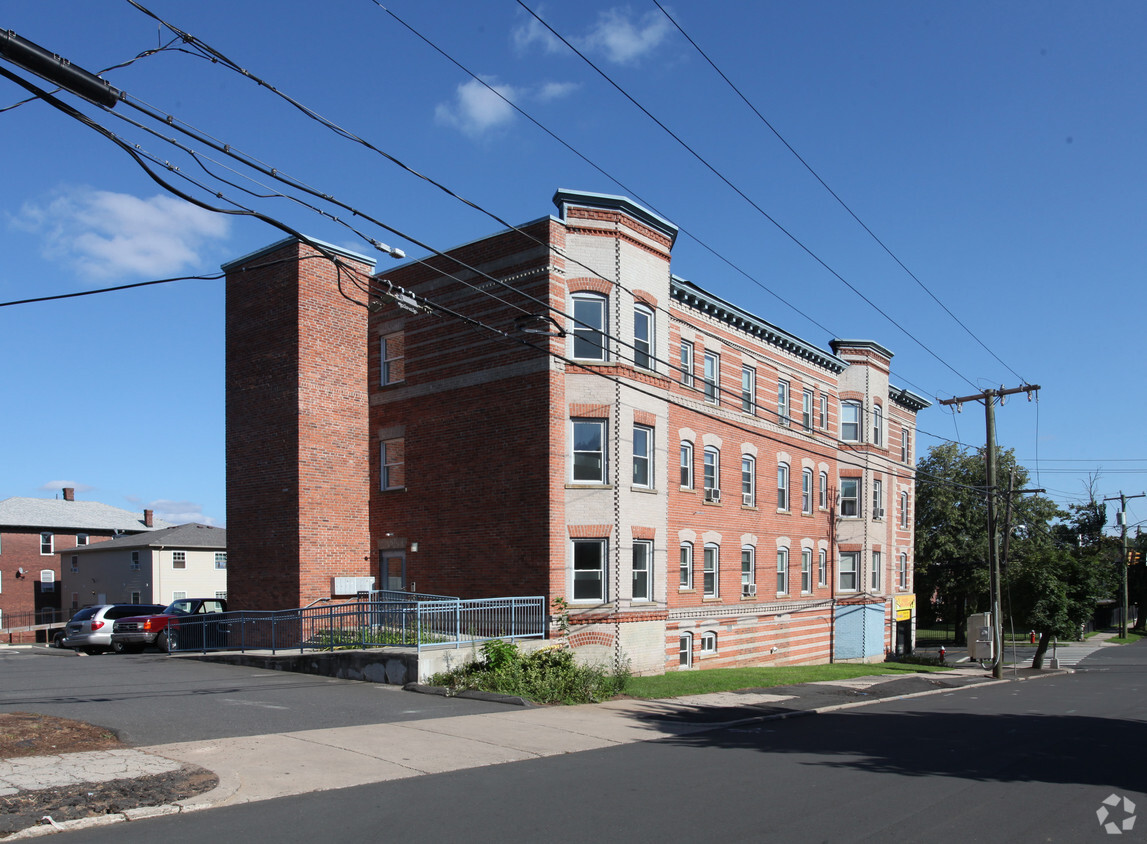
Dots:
{"x": 1134, "y": 558}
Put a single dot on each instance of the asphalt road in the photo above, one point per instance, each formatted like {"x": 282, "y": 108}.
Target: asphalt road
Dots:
{"x": 155, "y": 699}
{"x": 1016, "y": 762}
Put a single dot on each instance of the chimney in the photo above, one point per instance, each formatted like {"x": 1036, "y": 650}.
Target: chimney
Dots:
{"x": 148, "y": 521}
{"x": 69, "y": 493}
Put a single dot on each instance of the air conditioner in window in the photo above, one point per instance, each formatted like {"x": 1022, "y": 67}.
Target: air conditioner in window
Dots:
{"x": 713, "y": 495}
{"x": 879, "y": 514}
{"x": 747, "y": 499}
{"x": 748, "y": 590}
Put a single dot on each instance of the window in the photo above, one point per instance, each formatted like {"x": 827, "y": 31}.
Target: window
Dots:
{"x": 221, "y": 596}
{"x": 877, "y": 425}
{"x": 783, "y": 402}
{"x": 748, "y": 389}
{"x": 179, "y": 559}
{"x": 81, "y": 539}
{"x": 806, "y": 491}
{"x": 712, "y": 474}
{"x": 877, "y": 566}
{"x": 709, "y": 575}
{"x": 806, "y": 410}
{"x": 589, "y": 569}
{"x": 46, "y": 543}
{"x": 178, "y": 596}
{"x": 806, "y": 569}
{"x": 905, "y": 446}
{"x": 393, "y": 463}
{"x": 902, "y": 572}
{"x": 709, "y": 642}
{"x": 877, "y": 499}
{"x": 782, "y": 486}
{"x": 686, "y": 464}
{"x": 685, "y": 646}
{"x": 686, "y": 575}
{"x": 220, "y": 559}
{"x": 782, "y": 571}
{"x": 643, "y": 353}
{"x": 850, "y": 421}
{"x": 642, "y": 555}
{"x": 849, "y": 564}
{"x": 748, "y": 572}
{"x": 47, "y": 580}
{"x": 748, "y": 481}
{"x": 823, "y": 490}
{"x": 589, "y": 451}
{"x": 392, "y": 353}
{"x": 75, "y": 564}
{"x": 642, "y": 456}
{"x": 135, "y": 561}
{"x": 822, "y": 568}
{"x": 904, "y": 510}
{"x": 824, "y": 412}
{"x": 686, "y": 363}
{"x": 589, "y": 328}
{"x": 134, "y": 598}
{"x": 712, "y": 377}
{"x": 850, "y": 497}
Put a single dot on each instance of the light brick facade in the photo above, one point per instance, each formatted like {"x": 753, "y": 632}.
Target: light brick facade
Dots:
{"x": 508, "y": 457}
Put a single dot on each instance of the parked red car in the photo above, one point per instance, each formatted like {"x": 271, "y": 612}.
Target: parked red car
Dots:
{"x": 132, "y": 635}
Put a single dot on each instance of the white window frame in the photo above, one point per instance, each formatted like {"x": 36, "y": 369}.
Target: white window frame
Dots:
{"x": 823, "y": 412}
{"x": 806, "y": 409}
{"x": 178, "y": 596}
{"x": 393, "y": 471}
{"x": 823, "y": 491}
{"x": 686, "y": 464}
{"x": 806, "y": 570}
{"x": 711, "y": 570}
{"x": 877, "y": 425}
{"x": 902, "y": 571}
{"x": 712, "y": 377}
{"x": 221, "y": 560}
{"x": 748, "y": 571}
{"x": 877, "y": 576}
{"x": 596, "y": 574}
{"x": 589, "y": 330}
{"x": 601, "y": 452}
{"x": 686, "y": 356}
{"x": 643, "y": 456}
{"x": 806, "y": 491}
{"x": 783, "y": 486}
{"x": 392, "y": 369}
{"x": 685, "y": 567}
{"x": 711, "y": 472}
{"x": 708, "y": 642}
{"x": 822, "y": 568}
{"x": 904, "y": 510}
{"x": 850, "y": 498}
{"x": 179, "y": 560}
{"x": 748, "y": 480}
{"x": 877, "y": 498}
{"x": 47, "y": 540}
{"x": 133, "y": 597}
{"x": 81, "y": 540}
{"x": 685, "y": 650}
{"x": 642, "y": 570}
{"x": 783, "y": 403}
{"x": 782, "y": 571}
{"x": 644, "y": 352}
{"x": 850, "y": 421}
{"x": 748, "y": 390}
{"x": 134, "y": 565}
{"x": 848, "y": 571}
{"x": 906, "y": 445}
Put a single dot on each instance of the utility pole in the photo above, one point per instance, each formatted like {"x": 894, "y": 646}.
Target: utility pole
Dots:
{"x": 1123, "y": 521}
{"x": 988, "y": 397}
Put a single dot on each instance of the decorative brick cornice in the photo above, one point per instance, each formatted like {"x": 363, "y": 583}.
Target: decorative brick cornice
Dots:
{"x": 590, "y": 531}
{"x": 590, "y": 411}
{"x": 644, "y": 532}
{"x": 590, "y": 285}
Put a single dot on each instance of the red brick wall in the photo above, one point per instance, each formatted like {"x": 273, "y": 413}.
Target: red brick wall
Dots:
{"x": 297, "y": 440}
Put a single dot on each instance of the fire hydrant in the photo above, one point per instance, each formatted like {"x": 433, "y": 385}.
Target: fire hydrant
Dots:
{"x": 941, "y": 653}
{"x": 1033, "y": 637}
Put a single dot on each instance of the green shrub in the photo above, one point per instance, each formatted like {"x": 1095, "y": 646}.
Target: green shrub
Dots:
{"x": 915, "y": 659}
{"x": 549, "y": 675}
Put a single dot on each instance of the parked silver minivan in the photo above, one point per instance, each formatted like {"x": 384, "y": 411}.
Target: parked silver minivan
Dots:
{"x": 90, "y": 629}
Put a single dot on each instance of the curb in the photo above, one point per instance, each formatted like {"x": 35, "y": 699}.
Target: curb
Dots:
{"x": 492, "y": 697}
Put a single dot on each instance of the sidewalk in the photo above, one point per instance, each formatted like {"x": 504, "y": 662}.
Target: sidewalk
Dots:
{"x": 269, "y": 766}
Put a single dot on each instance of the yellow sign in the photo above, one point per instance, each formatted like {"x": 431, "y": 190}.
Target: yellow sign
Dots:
{"x": 904, "y": 605}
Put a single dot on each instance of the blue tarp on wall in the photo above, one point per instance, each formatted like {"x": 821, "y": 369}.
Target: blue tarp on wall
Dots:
{"x": 859, "y": 631}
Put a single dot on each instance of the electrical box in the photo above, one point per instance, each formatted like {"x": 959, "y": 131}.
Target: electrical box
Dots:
{"x": 980, "y": 640}
{"x": 1120, "y": 517}
{"x": 351, "y": 585}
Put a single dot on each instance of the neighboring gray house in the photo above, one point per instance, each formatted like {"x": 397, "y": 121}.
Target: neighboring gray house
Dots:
{"x": 33, "y": 534}
{"x": 158, "y": 567}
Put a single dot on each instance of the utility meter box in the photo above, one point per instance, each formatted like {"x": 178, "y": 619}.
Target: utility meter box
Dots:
{"x": 980, "y": 639}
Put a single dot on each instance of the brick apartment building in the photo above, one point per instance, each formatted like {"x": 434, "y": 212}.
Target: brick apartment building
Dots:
{"x": 569, "y": 419}
{"x": 33, "y": 532}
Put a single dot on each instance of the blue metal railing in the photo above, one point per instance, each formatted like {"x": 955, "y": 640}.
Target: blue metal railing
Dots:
{"x": 364, "y": 624}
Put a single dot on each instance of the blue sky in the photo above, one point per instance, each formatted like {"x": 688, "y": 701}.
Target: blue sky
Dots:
{"x": 996, "y": 149}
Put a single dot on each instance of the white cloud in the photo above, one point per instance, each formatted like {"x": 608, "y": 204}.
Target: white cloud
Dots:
{"x": 58, "y": 486}
{"x": 180, "y": 512}
{"x": 551, "y": 91}
{"x": 533, "y": 32}
{"x": 621, "y": 39}
{"x": 106, "y": 234}
{"x": 476, "y": 110}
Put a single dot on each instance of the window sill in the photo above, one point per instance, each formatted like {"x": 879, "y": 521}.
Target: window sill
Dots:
{"x": 807, "y": 515}
{"x": 394, "y": 489}
{"x": 784, "y": 510}
{"x": 681, "y": 590}
{"x": 750, "y": 507}
{"x": 588, "y": 485}
{"x": 712, "y": 599}
{"x": 709, "y": 503}
{"x": 648, "y": 490}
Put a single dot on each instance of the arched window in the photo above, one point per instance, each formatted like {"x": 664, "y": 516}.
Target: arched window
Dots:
{"x": 806, "y": 490}
{"x": 685, "y": 647}
{"x": 782, "y": 486}
{"x": 712, "y": 476}
{"x": 850, "y": 421}
{"x": 686, "y": 566}
{"x": 686, "y": 464}
{"x": 643, "y": 351}
{"x": 748, "y": 572}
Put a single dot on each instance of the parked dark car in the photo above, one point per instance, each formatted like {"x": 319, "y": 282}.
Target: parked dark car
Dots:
{"x": 90, "y": 629}
{"x": 133, "y": 634}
